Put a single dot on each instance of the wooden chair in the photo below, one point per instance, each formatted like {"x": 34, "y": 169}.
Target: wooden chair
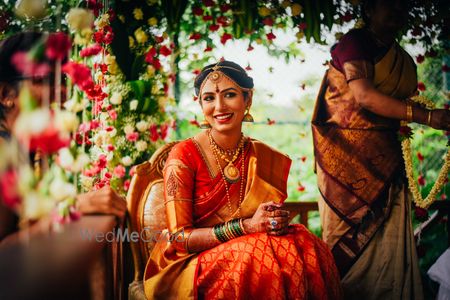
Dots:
{"x": 145, "y": 202}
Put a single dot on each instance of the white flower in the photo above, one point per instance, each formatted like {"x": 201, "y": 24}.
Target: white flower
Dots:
{"x": 65, "y": 158}
{"x": 127, "y": 161}
{"x": 81, "y": 161}
{"x": 35, "y": 205}
{"x": 80, "y": 18}
{"x": 40, "y": 118}
{"x": 66, "y": 121}
{"x": 116, "y": 98}
{"x": 109, "y": 156}
{"x": 86, "y": 182}
{"x": 112, "y": 133}
{"x": 31, "y": 9}
{"x": 128, "y": 129}
{"x": 134, "y": 104}
{"x": 141, "y": 146}
{"x": 60, "y": 190}
{"x": 142, "y": 126}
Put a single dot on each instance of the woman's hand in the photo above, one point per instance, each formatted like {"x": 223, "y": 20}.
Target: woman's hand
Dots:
{"x": 440, "y": 119}
{"x": 103, "y": 201}
{"x": 269, "y": 218}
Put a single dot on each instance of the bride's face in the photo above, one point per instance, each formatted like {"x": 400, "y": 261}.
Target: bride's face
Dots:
{"x": 224, "y": 104}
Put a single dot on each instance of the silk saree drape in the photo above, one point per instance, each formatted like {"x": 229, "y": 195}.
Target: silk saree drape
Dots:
{"x": 295, "y": 266}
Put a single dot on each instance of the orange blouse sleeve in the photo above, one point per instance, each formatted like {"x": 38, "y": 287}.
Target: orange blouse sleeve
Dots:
{"x": 178, "y": 192}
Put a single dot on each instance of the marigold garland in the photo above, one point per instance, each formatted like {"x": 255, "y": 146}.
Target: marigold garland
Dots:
{"x": 407, "y": 157}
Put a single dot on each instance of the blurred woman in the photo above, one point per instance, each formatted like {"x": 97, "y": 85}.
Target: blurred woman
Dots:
{"x": 365, "y": 206}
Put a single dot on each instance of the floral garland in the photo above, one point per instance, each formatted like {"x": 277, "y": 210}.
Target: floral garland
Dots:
{"x": 407, "y": 156}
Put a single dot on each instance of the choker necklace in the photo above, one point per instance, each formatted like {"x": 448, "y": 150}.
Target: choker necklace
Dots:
{"x": 230, "y": 171}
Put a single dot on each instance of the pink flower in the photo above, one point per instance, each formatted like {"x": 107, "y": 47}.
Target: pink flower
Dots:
{"x": 91, "y": 51}
{"x": 57, "y": 46}
{"x": 80, "y": 75}
{"x": 101, "y": 162}
{"x": 163, "y": 129}
{"x": 132, "y": 137}
{"x": 8, "y": 189}
{"x": 27, "y": 67}
{"x": 126, "y": 184}
{"x": 119, "y": 171}
{"x": 132, "y": 171}
{"x": 113, "y": 114}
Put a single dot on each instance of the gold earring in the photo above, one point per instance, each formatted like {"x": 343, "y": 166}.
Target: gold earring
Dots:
{"x": 248, "y": 117}
{"x": 9, "y": 103}
{"x": 205, "y": 124}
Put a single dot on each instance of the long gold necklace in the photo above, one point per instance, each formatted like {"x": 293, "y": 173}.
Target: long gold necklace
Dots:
{"x": 225, "y": 181}
{"x": 232, "y": 174}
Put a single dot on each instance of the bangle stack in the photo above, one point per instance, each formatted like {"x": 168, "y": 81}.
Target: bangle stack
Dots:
{"x": 409, "y": 113}
{"x": 229, "y": 230}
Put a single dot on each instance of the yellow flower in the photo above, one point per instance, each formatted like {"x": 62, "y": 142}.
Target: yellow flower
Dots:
{"x": 150, "y": 70}
{"x": 141, "y": 36}
{"x": 138, "y": 14}
{"x": 285, "y": 4}
{"x": 264, "y": 11}
{"x": 338, "y": 35}
{"x": 296, "y": 9}
{"x": 79, "y": 19}
{"x": 258, "y": 41}
{"x": 121, "y": 18}
{"x": 300, "y": 35}
{"x": 102, "y": 21}
{"x": 152, "y": 21}
{"x": 131, "y": 41}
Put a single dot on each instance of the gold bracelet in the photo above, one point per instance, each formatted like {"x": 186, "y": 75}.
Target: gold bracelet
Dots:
{"x": 241, "y": 224}
{"x": 409, "y": 113}
{"x": 429, "y": 117}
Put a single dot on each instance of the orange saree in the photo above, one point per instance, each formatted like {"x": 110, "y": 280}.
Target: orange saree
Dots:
{"x": 295, "y": 266}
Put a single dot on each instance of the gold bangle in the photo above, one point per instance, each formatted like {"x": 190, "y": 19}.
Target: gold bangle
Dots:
{"x": 429, "y": 117}
{"x": 409, "y": 113}
{"x": 241, "y": 224}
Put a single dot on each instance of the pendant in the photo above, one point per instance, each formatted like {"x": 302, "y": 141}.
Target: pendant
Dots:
{"x": 231, "y": 173}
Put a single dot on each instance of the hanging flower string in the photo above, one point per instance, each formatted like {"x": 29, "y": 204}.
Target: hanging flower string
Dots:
{"x": 407, "y": 156}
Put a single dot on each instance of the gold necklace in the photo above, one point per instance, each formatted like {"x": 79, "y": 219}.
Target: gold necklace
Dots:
{"x": 231, "y": 173}
{"x": 225, "y": 181}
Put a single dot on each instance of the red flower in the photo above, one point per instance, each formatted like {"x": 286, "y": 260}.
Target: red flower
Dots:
{"x": 195, "y": 36}
{"x": 156, "y": 64}
{"x": 126, "y": 184}
{"x": 207, "y": 18}
{"x": 150, "y": 55}
{"x": 57, "y": 46}
{"x": 420, "y": 156}
{"x": 95, "y": 6}
{"x": 300, "y": 187}
{"x": 163, "y": 130}
{"x": 159, "y": 39}
{"x": 8, "y": 189}
{"x": 303, "y": 158}
{"x": 421, "y": 213}
{"x": 421, "y": 86}
{"x": 222, "y": 20}
{"x": 248, "y": 67}
{"x": 421, "y": 180}
{"x": 112, "y": 14}
{"x": 445, "y": 68}
{"x": 420, "y": 58}
{"x": 165, "y": 51}
{"x": 197, "y": 11}
{"x": 132, "y": 171}
{"x": 302, "y": 26}
{"x": 225, "y": 37}
{"x": 405, "y": 132}
{"x": 214, "y": 27}
{"x": 225, "y": 7}
{"x": 113, "y": 114}
{"x": 208, "y": 3}
{"x": 49, "y": 141}
{"x": 91, "y": 51}
{"x": 132, "y": 137}
{"x": 250, "y": 48}
{"x": 270, "y": 122}
{"x": 154, "y": 136}
{"x": 79, "y": 74}
{"x": 96, "y": 94}
{"x": 110, "y": 147}
{"x": 196, "y": 71}
{"x": 98, "y": 37}
{"x": 270, "y": 36}
{"x": 268, "y": 21}
{"x": 347, "y": 17}
{"x": 208, "y": 49}
{"x": 195, "y": 123}
{"x": 101, "y": 162}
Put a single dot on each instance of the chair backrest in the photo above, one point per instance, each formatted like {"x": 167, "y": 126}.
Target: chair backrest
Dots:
{"x": 145, "y": 202}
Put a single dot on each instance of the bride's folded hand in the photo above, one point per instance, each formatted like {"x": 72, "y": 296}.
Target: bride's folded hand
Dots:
{"x": 269, "y": 218}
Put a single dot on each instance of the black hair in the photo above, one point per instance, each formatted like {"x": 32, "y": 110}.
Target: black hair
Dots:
{"x": 9, "y": 75}
{"x": 229, "y": 68}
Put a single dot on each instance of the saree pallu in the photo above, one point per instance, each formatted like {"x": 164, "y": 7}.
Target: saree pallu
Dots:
{"x": 295, "y": 266}
{"x": 361, "y": 180}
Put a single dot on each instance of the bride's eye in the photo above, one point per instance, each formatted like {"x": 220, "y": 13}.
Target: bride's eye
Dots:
{"x": 208, "y": 98}
{"x": 230, "y": 95}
